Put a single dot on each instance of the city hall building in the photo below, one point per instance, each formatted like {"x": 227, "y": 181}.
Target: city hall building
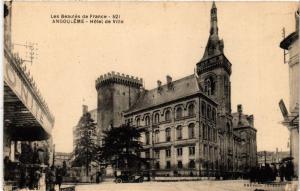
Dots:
{"x": 189, "y": 129}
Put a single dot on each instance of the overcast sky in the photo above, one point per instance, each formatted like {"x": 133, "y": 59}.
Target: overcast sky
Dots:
{"x": 157, "y": 39}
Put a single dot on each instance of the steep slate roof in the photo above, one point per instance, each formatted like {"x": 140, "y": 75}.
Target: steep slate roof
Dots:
{"x": 181, "y": 88}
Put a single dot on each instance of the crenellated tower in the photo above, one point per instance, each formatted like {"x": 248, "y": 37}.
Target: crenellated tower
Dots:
{"x": 116, "y": 93}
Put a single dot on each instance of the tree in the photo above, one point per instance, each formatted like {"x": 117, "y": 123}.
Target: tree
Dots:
{"x": 121, "y": 146}
{"x": 86, "y": 146}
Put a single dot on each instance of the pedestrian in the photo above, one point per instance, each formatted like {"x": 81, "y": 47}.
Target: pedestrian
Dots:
{"x": 59, "y": 177}
{"x": 281, "y": 172}
{"x": 52, "y": 179}
{"x": 36, "y": 178}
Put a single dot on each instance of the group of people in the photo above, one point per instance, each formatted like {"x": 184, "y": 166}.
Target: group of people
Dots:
{"x": 54, "y": 176}
{"x": 269, "y": 173}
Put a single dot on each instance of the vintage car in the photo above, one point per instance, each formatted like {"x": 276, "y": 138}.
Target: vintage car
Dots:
{"x": 128, "y": 176}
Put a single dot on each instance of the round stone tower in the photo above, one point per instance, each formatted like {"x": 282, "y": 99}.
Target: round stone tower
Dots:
{"x": 116, "y": 93}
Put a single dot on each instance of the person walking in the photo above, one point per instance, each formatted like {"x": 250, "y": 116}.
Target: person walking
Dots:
{"x": 59, "y": 177}
{"x": 281, "y": 172}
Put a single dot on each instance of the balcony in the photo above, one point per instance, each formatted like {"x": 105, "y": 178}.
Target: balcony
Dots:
{"x": 183, "y": 142}
{"x": 162, "y": 144}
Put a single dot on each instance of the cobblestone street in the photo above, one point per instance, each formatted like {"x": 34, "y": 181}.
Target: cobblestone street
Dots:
{"x": 230, "y": 185}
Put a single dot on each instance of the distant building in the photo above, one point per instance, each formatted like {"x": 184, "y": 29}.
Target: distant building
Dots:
{"x": 243, "y": 127}
{"x": 60, "y": 157}
{"x": 291, "y": 118}
{"x": 271, "y": 157}
{"x": 188, "y": 122}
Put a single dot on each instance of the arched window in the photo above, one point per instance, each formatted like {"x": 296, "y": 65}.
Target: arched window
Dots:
{"x": 168, "y": 134}
{"x": 203, "y": 109}
{"x": 208, "y": 112}
{"x": 209, "y": 86}
{"x": 191, "y": 130}
{"x": 147, "y": 137}
{"x": 156, "y": 118}
{"x": 138, "y": 122}
{"x": 156, "y": 136}
{"x": 147, "y": 120}
{"x": 191, "y": 110}
{"x": 179, "y": 132}
{"x": 178, "y": 112}
{"x": 168, "y": 115}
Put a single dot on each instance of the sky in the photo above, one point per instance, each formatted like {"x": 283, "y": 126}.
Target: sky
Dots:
{"x": 157, "y": 39}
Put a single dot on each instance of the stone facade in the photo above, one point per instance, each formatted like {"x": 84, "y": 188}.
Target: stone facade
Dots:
{"x": 291, "y": 119}
{"x": 243, "y": 127}
{"x": 188, "y": 122}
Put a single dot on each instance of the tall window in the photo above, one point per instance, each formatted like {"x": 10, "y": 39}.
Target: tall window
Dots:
{"x": 178, "y": 112}
{"x": 138, "y": 122}
{"x": 156, "y": 118}
{"x": 179, "y": 151}
{"x": 209, "y": 112}
{"x": 179, "y": 164}
{"x": 209, "y": 86}
{"x": 147, "y": 120}
{"x": 156, "y": 136}
{"x": 168, "y": 165}
{"x": 179, "y": 132}
{"x": 204, "y": 129}
{"x": 168, "y": 115}
{"x": 203, "y": 109}
{"x": 208, "y": 133}
{"x": 168, "y": 153}
{"x": 191, "y": 110}
{"x": 157, "y": 166}
{"x": 147, "y": 154}
{"x": 191, "y": 150}
{"x": 192, "y": 164}
{"x": 191, "y": 130}
{"x": 214, "y": 114}
{"x": 156, "y": 154}
{"x": 168, "y": 134}
{"x": 147, "y": 137}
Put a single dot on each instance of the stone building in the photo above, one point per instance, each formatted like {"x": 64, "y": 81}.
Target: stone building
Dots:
{"x": 291, "y": 118}
{"x": 27, "y": 120}
{"x": 244, "y": 131}
{"x": 188, "y": 122}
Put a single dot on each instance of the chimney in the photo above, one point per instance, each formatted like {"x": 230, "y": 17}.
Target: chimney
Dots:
{"x": 84, "y": 109}
{"x": 251, "y": 120}
{"x": 240, "y": 111}
{"x": 169, "y": 82}
{"x": 158, "y": 83}
{"x": 169, "y": 79}
{"x": 240, "y": 108}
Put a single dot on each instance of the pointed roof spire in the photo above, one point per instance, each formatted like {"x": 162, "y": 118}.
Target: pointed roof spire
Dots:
{"x": 214, "y": 45}
{"x": 214, "y": 5}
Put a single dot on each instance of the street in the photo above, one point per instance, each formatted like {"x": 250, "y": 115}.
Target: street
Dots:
{"x": 230, "y": 185}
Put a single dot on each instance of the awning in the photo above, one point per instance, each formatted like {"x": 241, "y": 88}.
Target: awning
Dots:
{"x": 26, "y": 116}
